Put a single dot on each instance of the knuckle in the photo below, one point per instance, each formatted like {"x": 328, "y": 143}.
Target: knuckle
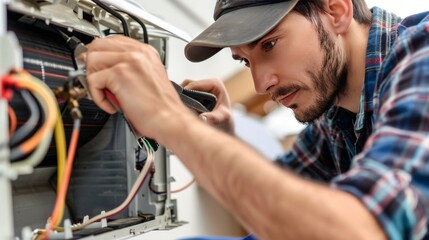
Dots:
{"x": 227, "y": 115}
{"x": 121, "y": 69}
{"x": 216, "y": 81}
{"x": 186, "y": 82}
{"x": 144, "y": 51}
{"x": 152, "y": 50}
{"x": 97, "y": 41}
{"x": 134, "y": 56}
{"x": 89, "y": 62}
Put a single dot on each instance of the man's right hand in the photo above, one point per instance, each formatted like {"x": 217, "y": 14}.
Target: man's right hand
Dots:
{"x": 221, "y": 116}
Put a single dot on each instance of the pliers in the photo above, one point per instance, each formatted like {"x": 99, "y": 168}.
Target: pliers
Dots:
{"x": 198, "y": 101}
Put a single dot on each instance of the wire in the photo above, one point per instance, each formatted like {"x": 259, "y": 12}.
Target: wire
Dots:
{"x": 141, "y": 23}
{"x": 144, "y": 29}
{"x": 61, "y": 158}
{"x": 58, "y": 211}
{"x": 56, "y": 214}
{"x": 41, "y": 140}
{"x": 12, "y": 120}
{"x": 116, "y": 14}
{"x": 36, "y": 86}
{"x": 133, "y": 192}
{"x": 138, "y": 183}
{"x": 27, "y": 128}
{"x": 172, "y": 191}
{"x": 184, "y": 187}
{"x": 26, "y": 166}
{"x": 60, "y": 139}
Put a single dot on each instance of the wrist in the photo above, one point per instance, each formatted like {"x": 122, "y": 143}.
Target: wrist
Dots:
{"x": 167, "y": 124}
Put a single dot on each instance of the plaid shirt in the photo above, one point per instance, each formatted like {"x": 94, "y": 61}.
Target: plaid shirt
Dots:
{"x": 380, "y": 154}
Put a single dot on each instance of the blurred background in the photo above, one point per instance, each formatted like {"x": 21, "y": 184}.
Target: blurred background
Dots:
{"x": 259, "y": 121}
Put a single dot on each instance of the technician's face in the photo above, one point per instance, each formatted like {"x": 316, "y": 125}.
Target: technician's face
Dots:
{"x": 299, "y": 65}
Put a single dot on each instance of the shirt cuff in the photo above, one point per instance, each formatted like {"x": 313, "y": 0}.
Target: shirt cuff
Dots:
{"x": 389, "y": 196}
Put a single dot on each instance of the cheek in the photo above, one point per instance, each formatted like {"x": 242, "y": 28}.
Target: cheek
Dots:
{"x": 306, "y": 98}
{"x": 300, "y": 57}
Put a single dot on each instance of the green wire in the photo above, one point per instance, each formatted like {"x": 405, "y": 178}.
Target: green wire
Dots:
{"x": 148, "y": 143}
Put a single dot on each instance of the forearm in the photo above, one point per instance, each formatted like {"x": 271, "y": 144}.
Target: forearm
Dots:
{"x": 272, "y": 203}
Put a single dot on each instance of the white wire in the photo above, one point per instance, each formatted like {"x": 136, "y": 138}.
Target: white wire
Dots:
{"x": 4, "y": 124}
{"x": 26, "y": 166}
{"x": 133, "y": 192}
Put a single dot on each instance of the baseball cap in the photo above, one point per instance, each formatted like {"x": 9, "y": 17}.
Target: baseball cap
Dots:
{"x": 237, "y": 22}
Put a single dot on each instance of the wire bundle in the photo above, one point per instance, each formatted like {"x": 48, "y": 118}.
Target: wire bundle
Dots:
{"x": 23, "y": 145}
{"x": 117, "y": 13}
{"x": 46, "y": 57}
{"x": 37, "y": 145}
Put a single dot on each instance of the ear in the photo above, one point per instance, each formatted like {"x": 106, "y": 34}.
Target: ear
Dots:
{"x": 340, "y": 13}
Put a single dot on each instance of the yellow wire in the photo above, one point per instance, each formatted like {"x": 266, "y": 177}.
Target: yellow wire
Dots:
{"x": 41, "y": 139}
{"x": 35, "y": 85}
{"x": 61, "y": 158}
{"x": 53, "y": 120}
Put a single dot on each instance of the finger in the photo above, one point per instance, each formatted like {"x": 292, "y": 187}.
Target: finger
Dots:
{"x": 207, "y": 85}
{"x": 214, "y": 86}
{"x": 113, "y": 43}
{"x": 118, "y": 44}
{"x": 97, "y": 82}
{"x": 186, "y": 82}
{"x": 97, "y": 60}
{"x": 220, "y": 116}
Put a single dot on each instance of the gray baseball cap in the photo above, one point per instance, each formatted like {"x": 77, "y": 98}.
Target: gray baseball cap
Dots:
{"x": 237, "y": 22}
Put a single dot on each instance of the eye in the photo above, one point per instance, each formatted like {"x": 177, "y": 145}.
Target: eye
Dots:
{"x": 245, "y": 62}
{"x": 267, "y": 46}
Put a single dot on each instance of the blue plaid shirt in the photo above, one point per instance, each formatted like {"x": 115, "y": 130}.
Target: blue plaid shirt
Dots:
{"x": 380, "y": 154}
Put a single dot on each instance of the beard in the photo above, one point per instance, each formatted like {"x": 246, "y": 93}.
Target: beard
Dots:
{"x": 329, "y": 82}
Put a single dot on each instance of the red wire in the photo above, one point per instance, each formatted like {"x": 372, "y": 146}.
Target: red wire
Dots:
{"x": 184, "y": 187}
{"x": 12, "y": 120}
{"x": 64, "y": 185}
{"x": 172, "y": 191}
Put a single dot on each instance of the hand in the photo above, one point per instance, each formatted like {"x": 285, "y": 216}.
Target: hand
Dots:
{"x": 221, "y": 116}
{"x": 135, "y": 75}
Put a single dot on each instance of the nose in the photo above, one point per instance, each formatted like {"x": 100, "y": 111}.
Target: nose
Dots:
{"x": 263, "y": 79}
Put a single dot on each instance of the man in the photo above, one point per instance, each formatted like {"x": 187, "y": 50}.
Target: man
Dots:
{"x": 360, "y": 79}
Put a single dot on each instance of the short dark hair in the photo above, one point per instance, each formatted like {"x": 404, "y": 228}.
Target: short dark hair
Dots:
{"x": 308, "y": 8}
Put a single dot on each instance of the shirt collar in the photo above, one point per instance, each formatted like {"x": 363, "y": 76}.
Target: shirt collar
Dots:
{"x": 382, "y": 35}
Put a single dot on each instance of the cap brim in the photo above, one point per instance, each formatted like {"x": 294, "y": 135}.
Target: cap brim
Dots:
{"x": 237, "y": 28}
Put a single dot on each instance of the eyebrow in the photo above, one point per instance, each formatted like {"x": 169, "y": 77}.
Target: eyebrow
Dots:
{"x": 253, "y": 44}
